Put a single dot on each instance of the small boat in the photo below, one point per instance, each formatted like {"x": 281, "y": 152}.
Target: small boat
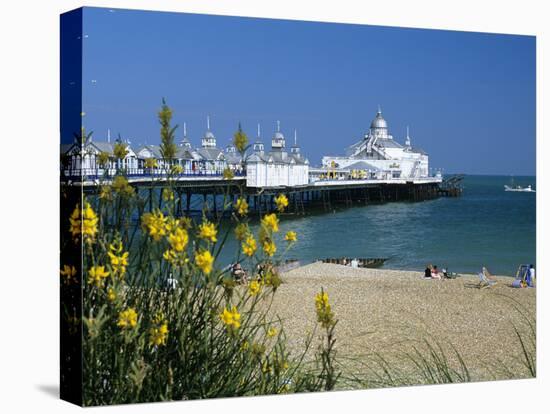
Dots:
{"x": 519, "y": 188}
{"x": 364, "y": 263}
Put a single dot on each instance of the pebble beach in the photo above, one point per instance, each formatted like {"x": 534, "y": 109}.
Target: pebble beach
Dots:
{"x": 388, "y": 312}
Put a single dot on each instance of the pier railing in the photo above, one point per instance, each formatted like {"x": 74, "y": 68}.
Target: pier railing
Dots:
{"x": 141, "y": 173}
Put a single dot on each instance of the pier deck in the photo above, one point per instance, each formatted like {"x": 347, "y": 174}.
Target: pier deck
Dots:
{"x": 323, "y": 195}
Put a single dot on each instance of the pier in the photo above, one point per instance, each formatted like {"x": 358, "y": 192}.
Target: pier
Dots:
{"x": 376, "y": 169}
{"x": 193, "y": 192}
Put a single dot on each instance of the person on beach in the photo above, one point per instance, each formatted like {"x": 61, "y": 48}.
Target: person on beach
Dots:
{"x": 239, "y": 273}
{"x": 435, "y": 273}
{"x": 531, "y": 276}
{"x": 487, "y": 274}
{"x": 428, "y": 272}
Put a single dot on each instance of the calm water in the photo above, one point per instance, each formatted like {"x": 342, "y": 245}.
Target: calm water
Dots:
{"x": 486, "y": 226}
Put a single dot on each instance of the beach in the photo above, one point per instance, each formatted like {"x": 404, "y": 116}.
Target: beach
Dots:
{"x": 387, "y": 313}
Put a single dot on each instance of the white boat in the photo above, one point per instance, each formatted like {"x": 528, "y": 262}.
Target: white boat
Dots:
{"x": 519, "y": 188}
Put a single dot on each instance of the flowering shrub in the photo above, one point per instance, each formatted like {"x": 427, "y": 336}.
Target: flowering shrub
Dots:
{"x": 161, "y": 320}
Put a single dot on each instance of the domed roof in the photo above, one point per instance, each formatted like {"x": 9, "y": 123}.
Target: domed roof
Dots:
{"x": 209, "y": 134}
{"x": 379, "y": 121}
{"x": 278, "y": 135}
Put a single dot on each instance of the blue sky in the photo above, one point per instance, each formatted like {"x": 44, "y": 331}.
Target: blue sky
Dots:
{"x": 469, "y": 98}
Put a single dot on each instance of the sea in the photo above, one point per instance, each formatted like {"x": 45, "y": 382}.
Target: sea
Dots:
{"x": 486, "y": 226}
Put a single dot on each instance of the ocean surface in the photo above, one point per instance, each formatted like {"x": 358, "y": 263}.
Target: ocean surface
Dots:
{"x": 487, "y": 226}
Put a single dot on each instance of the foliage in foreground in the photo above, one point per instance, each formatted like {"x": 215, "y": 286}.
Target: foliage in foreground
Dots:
{"x": 161, "y": 321}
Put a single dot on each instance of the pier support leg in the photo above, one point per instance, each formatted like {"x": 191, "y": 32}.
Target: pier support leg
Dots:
{"x": 215, "y": 205}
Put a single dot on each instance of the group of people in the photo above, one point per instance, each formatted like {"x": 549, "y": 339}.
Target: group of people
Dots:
{"x": 240, "y": 275}
{"x": 432, "y": 272}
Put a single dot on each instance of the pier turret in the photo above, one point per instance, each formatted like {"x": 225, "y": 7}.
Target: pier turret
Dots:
{"x": 209, "y": 140}
{"x": 258, "y": 145}
{"x": 185, "y": 143}
{"x": 408, "y": 139}
{"x": 295, "y": 149}
{"x": 278, "y": 140}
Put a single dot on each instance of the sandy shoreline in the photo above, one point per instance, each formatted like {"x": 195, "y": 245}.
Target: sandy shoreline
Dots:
{"x": 387, "y": 311}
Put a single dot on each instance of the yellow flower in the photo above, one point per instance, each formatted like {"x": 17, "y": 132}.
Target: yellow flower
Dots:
{"x": 245, "y": 346}
{"x": 84, "y": 222}
{"x": 111, "y": 294}
{"x": 271, "y": 332}
{"x": 321, "y": 301}
{"x": 249, "y": 245}
{"x": 167, "y": 194}
{"x": 169, "y": 255}
{"x": 121, "y": 186}
{"x": 127, "y": 318}
{"x": 186, "y": 222}
{"x": 158, "y": 318}
{"x": 240, "y": 140}
{"x": 103, "y": 159}
{"x": 324, "y": 314}
{"x": 176, "y": 169}
{"x": 158, "y": 334}
{"x": 69, "y": 272}
{"x": 271, "y": 222}
{"x": 89, "y": 222}
{"x": 290, "y": 236}
{"x": 175, "y": 258}
{"x": 171, "y": 224}
{"x": 269, "y": 247}
{"x": 282, "y": 202}
{"x": 178, "y": 239}
{"x": 254, "y": 288}
{"x": 155, "y": 223}
{"x": 231, "y": 318}
{"x": 120, "y": 151}
{"x": 204, "y": 261}
{"x": 242, "y": 207}
{"x": 105, "y": 192}
{"x": 150, "y": 163}
{"x": 75, "y": 222}
{"x": 118, "y": 261}
{"x": 241, "y": 231}
{"x": 228, "y": 174}
{"x": 96, "y": 275}
{"x": 208, "y": 231}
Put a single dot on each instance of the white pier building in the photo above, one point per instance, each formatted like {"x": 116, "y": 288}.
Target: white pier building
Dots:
{"x": 278, "y": 167}
{"x": 376, "y": 156}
